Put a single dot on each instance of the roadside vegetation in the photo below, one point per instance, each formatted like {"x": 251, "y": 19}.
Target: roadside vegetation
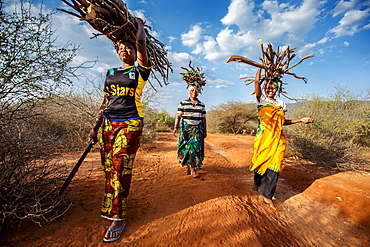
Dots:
{"x": 43, "y": 116}
{"x": 232, "y": 117}
{"x": 340, "y": 134}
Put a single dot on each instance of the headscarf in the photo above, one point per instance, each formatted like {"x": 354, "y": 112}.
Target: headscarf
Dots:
{"x": 191, "y": 87}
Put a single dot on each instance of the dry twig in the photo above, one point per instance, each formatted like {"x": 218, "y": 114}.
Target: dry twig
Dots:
{"x": 193, "y": 77}
{"x": 112, "y": 19}
{"x": 274, "y": 63}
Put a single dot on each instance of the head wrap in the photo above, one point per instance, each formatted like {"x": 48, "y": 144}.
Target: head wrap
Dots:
{"x": 274, "y": 81}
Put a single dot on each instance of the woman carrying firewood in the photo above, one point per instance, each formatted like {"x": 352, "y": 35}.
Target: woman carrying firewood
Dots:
{"x": 191, "y": 125}
{"x": 121, "y": 120}
{"x": 270, "y": 141}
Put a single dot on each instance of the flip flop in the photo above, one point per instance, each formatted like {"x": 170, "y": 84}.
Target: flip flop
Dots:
{"x": 115, "y": 230}
{"x": 270, "y": 204}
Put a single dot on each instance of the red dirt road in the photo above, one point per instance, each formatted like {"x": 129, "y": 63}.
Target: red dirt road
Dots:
{"x": 315, "y": 207}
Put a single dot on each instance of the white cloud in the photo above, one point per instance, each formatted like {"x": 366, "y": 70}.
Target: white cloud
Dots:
{"x": 289, "y": 21}
{"x": 192, "y": 37}
{"x": 367, "y": 26}
{"x": 216, "y": 49}
{"x": 351, "y": 23}
{"x": 273, "y": 23}
{"x": 219, "y": 83}
{"x": 141, "y": 14}
{"x": 306, "y": 49}
{"x": 240, "y": 13}
{"x": 343, "y": 6}
{"x": 345, "y": 43}
{"x": 172, "y": 38}
{"x": 323, "y": 40}
{"x": 180, "y": 57}
{"x": 321, "y": 52}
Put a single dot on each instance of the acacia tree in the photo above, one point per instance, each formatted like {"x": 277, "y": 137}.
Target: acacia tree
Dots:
{"x": 231, "y": 117}
{"x": 32, "y": 69}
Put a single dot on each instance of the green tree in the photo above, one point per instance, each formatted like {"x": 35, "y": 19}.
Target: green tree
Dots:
{"x": 164, "y": 121}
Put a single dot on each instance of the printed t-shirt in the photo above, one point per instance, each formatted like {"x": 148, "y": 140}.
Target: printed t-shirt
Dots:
{"x": 123, "y": 88}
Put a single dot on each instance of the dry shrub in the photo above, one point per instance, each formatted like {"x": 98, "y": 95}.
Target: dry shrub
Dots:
{"x": 341, "y": 126}
{"x": 35, "y": 124}
{"x": 234, "y": 117}
{"x": 31, "y": 175}
{"x": 32, "y": 144}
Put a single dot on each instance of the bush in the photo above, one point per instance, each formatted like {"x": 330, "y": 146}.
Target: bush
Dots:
{"x": 232, "y": 117}
{"x": 33, "y": 70}
{"x": 31, "y": 174}
{"x": 341, "y": 126}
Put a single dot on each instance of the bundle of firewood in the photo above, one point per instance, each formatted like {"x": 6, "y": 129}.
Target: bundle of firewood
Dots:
{"x": 112, "y": 19}
{"x": 193, "y": 77}
{"x": 274, "y": 63}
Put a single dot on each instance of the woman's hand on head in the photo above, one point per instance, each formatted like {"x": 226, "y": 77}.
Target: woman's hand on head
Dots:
{"x": 139, "y": 21}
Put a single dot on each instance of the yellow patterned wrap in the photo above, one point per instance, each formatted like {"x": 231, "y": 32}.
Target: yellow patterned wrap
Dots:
{"x": 270, "y": 141}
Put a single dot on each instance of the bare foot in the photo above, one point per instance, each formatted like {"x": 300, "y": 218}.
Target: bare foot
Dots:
{"x": 194, "y": 173}
{"x": 187, "y": 170}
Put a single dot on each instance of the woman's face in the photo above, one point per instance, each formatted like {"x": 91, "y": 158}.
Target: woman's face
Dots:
{"x": 126, "y": 53}
{"x": 270, "y": 90}
{"x": 193, "y": 93}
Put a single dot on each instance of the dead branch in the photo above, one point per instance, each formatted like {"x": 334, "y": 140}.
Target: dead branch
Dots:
{"x": 193, "y": 77}
{"x": 113, "y": 20}
{"x": 274, "y": 63}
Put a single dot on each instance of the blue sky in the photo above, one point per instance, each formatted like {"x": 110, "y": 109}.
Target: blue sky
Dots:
{"x": 207, "y": 32}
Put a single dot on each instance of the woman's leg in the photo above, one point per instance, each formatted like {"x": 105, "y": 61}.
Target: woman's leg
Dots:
{"x": 267, "y": 183}
{"x": 121, "y": 141}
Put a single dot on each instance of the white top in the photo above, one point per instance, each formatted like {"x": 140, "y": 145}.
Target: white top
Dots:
{"x": 277, "y": 102}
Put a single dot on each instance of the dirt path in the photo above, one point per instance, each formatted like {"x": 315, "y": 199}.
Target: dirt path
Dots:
{"x": 316, "y": 207}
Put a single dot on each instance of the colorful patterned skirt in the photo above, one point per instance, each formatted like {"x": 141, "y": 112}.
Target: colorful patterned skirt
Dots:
{"x": 190, "y": 150}
{"x": 119, "y": 142}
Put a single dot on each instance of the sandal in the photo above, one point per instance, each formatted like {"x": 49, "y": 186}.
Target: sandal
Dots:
{"x": 110, "y": 230}
{"x": 270, "y": 204}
